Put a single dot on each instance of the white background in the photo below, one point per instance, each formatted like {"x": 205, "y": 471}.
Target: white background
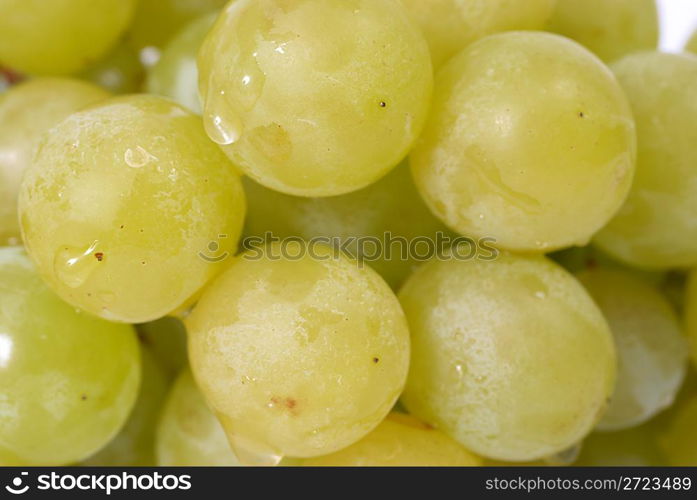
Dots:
{"x": 678, "y": 22}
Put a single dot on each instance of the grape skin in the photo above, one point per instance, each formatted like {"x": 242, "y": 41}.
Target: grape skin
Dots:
{"x": 400, "y": 441}
{"x": 315, "y": 97}
{"x": 635, "y": 447}
{"x": 530, "y": 142}
{"x": 509, "y": 357}
{"x": 691, "y": 315}
{"x": 68, "y": 381}
{"x": 304, "y": 362}
{"x": 27, "y": 110}
{"x": 59, "y": 37}
{"x": 692, "y": 44}
{"x": 451, "y": 25}
{"x": 390, "y": 205}
{"x": 120, "y": 71}
{"x": 651, "y": 350}
{"x": 123, "y": 188}
{"x": 610, "y": 28}
{"x": 156, "y": 22}
{"x": 655, "y": 228}
{"x": 134, "y": 446}
{"x": 176, "y": 75}
{"x": 188, "y": 434}
{"x": 166, "y": 339}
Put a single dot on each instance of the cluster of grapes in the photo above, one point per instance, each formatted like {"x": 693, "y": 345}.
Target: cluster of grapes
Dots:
{"x": 496, "y": 120}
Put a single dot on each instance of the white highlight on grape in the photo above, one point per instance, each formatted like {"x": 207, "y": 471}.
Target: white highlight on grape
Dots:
{"x": 5, "y": 349}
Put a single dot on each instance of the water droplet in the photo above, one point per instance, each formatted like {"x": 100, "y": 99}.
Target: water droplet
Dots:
{"x": 459, "y": 369}
{"x": 74, "y": 265}
{"x": 222, "y": 123}
{"x": 252, "y": 453}
{"x": 138, "y": 157}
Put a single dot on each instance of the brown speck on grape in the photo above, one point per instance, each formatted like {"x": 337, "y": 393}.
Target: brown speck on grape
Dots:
{"x": 581, "y": 115}
{"x": 99, "y": 256}
{"x": 84, "y": 397}
{"x": 376, "y": 360}
{"x": 383, "y": 104}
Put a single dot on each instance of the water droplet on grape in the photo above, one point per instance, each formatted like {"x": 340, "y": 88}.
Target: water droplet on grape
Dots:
{"x": 74, "y": 265}
{"x": 221, "y": 122}
{"x": 137, "y": 157}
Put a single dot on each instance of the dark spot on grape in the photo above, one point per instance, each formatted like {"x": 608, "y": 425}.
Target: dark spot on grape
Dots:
{"x": 143, "y": 262}
{"x": 121, "y": 227}
{"x": 581, "y": 115}
{"x": 376, "y": 360}
{"x": 84, "y": 397}
{"x": 383, "y": 104}
{"x": 99, "y": 256}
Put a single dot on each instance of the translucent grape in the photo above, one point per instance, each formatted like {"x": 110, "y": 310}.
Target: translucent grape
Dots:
{"x": 678, "y": 439}
{"x": 68, "y": 380}
{"x": 651, "y": 350}
{"x": 26, "y": 111}
{"x": 635, "y": 447}
{"x": 451, "y": 25}
{"x": 134, "y": 446}
{"x": 120, "y": 71}
{"x": 157, "y": 21}
{"x": 391, "y": 205}
{"x": 692, "y": 43}
{"x": 400, "y": 441}
{"x": 530, "y": 141}
{"x": 166, "y": 339}
{"x": 129, "y": 209}
{"x": 175, "y": 75}
{"x": 610, "y": 28}
{"x": 655, "y": 228}
{"x": 299, "y": 351}
{"x": 188, "y": 433}
{"x": 59, "y": 37}
{"x": 315, "y": 97}
{"x": 510, "y": 357}
{"x": 691, "y": 314}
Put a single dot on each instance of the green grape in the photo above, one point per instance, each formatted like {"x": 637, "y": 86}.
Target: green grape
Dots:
{"x": 451, "y": 25}
{"x": 166, "y": 339}
{"x": 134, "y": 446}
{"x": 188, "y": 433}
{"x": 636, "y": 447}
{"x": 400, "y": 441}
{"x": 27, "y": 110}
{"x": 651, "y": 351}
{"x": 299, "y": 351}
{"x": 691, "y": 314}
{"x": 610, "y": 28}
{"x": 315, "y": 97}
{"x": 655, "y": 228}
{"x": 59, "y": 37}
{"x": 175, "y": 75}
{"x": 678, "y": 438}
{"x": 692, "y": 44}
{"x": 157, "y": 21}
{"x": 120, "y": 72}
{"x": 121, "y": 204}
{"x": 530, "y": 142}
{"x": 390, "y": 205}
{"x": 510, "y": 357}
{"x": 68, "y": 380}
